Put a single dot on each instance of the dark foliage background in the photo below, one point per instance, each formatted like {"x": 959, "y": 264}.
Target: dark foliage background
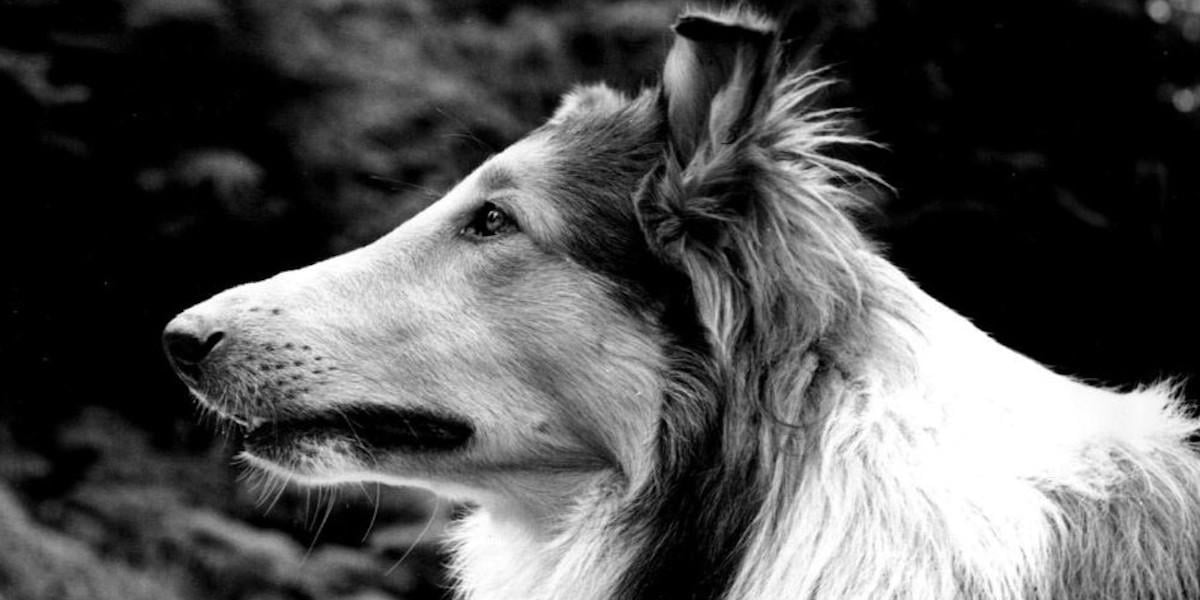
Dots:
{"x": 1044, "y": 153}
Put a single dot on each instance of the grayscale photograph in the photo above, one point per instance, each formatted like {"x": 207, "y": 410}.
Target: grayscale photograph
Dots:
{"x": 600, "y": 300}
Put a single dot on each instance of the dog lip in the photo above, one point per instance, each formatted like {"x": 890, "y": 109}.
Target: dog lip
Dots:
{"x": 366, "y": 427}
{"x": 245, "y": 422}
{"x": 190, "y": 374}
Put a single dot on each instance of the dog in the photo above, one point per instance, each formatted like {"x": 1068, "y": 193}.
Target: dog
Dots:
{"x": 649, "y": 345}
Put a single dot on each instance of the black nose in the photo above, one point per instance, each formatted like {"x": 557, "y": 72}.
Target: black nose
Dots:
{"x": 189, "y": 340}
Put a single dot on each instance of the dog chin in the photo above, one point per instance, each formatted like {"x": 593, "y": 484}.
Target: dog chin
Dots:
{"x": 309, "y": 464}
{"x": 315, "y": 465}
{"x": 297, "y": 470}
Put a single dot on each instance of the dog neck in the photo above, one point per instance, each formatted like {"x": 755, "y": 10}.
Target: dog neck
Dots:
{"x": 505, "y": 550}
{"x": 982, "y": 449}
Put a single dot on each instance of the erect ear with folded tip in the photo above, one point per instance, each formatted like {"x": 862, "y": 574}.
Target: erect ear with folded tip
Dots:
{"x": 713, "y": 77}
{"x": 713, "y": 86}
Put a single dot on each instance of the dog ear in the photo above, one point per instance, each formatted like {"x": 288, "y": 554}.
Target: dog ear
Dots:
{"x": 713, "y": 77}
{"x": 715, "y": 83}
{"x": 746, "y": 203}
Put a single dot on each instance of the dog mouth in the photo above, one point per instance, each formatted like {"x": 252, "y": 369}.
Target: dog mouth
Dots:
{"x": 365, "y": 429}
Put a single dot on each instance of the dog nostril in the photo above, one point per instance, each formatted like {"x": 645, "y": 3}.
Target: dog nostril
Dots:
{"x": 190, "y": 345}
{"x": 214, "y": 338}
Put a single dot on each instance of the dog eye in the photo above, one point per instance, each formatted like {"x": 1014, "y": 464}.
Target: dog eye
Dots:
{"x": 488, "y": 221}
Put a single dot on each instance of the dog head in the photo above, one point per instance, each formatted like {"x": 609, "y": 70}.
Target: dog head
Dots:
{"x": 533, "y": 320}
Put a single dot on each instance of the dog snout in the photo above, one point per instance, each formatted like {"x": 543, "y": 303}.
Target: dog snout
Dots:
{"x": 189, "y": 340}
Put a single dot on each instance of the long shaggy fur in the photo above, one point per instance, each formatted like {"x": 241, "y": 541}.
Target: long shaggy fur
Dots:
{"x": 839, "y": 434}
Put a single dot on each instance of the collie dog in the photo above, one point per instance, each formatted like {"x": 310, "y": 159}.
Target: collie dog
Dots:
{"x": 649, "y": 345}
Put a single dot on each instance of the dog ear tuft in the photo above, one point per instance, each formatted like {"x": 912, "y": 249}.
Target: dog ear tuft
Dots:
{"x": 596, "y": 98}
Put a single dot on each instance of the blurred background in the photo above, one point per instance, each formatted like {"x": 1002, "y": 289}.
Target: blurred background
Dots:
{"x": 1045, "y": 155}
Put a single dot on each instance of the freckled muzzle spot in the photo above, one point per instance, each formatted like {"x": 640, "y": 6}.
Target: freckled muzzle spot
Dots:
{"x": 260, "y": 378}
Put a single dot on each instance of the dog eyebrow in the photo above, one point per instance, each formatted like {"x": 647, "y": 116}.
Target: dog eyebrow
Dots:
{"x": 494, "y": 179}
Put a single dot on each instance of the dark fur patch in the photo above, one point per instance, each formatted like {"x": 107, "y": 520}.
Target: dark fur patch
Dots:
{"x": 602, "y": 159}
{"x": 697, "y": 519}
{"x": 696, "y": 515}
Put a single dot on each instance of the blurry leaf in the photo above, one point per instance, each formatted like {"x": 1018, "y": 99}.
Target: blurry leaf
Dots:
{"x": 37, "y": 563}
{"x": 31, "y": 72}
